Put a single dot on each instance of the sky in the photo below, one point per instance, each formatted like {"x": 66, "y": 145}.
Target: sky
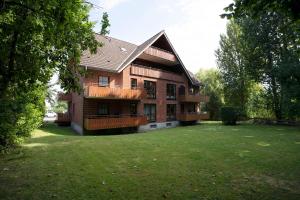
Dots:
{"x": 193, "y": 26}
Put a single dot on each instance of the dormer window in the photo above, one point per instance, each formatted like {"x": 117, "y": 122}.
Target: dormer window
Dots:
{"x": 103, "y": 81}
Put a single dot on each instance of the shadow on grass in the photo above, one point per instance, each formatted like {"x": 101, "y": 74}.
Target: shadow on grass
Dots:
{"x": 57, "y": 130}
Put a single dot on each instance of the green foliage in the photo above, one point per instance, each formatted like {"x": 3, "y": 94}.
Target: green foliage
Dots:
{"x": 240, "y": 8}
{"x": 229, "y": 115}
{"x": 213, "y": 88}
{"x": 259, "y": 104}
{"x": 232, "y": 63}
{"x": 105, "y": 24}
{"x": 60, "y": 107}
{"x": 275, "y": 59}
{"x": 271, "y": 30}
{"x": 21, "y": 113}
{"x": 38, "y": 38}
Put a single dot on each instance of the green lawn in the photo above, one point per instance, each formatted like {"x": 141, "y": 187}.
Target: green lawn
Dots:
{"x": 208, "y": 161}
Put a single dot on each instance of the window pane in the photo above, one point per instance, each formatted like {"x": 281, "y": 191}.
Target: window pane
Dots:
{"x": 150, "y": 112}
{"x": 171, "y": 91}
{"x": 103, "y": 81}
{"x": 103, "y": 109}
{"x": 133, "y": 83}
{"x": 150, "y": 88}
{"x": 171, "y": 112}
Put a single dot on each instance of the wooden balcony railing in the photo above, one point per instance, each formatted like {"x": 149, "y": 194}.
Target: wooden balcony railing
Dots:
{"x": 113, "y": 121}
{"x": 193, "y": 98}
{"x": 192, "y": 116}
{"x": 146, "y": 71}
{"x": 63, "y": 118}
{"x": 157, "y": 52}
{"x": 95, "y": 91}
{"x": 64, "y": 97}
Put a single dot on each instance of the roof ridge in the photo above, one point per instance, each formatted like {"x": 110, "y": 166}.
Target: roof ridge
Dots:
{"x": 138, "y": 51}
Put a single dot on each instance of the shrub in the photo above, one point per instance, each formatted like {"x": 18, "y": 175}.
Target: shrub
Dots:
{"x": 229, "y": 115}
{"x": 21, "y": 112}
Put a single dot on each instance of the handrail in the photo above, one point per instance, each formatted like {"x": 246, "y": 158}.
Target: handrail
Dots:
{"x": 113, "y": 92}
{"x": 153, "y": 68}
{"x": 115, "y": 86}
{"x": 194, "y": 113}
{"x": 189, "y": 94}
{"x": 161, "y": 49}
{"x": 113, "y": 116}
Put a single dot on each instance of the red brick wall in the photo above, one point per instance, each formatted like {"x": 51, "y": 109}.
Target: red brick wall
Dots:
{"x": 92, "y": 78}
{"x": 123, "y": 79}
{"x": 161, "y": 90}
{"x": 77, "y": 108}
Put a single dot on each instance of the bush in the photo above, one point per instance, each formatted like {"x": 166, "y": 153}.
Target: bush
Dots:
{"x": 229, "y": 115}
{"x": 21, "y": 112}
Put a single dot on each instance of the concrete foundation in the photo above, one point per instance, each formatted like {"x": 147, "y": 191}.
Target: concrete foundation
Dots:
{"x": 154, "y": 126}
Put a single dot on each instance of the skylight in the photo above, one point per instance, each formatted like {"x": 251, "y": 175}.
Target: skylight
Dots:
{"x": 123, "y": 49}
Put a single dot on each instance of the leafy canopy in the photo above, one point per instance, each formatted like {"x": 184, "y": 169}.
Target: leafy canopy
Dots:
{"x": 38, "y": 38}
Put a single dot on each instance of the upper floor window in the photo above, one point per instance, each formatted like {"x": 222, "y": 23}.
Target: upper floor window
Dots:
{"x": 133, "y": 83}
{"x": 194, "y": 90}
{"x": 171, "y": 91}
{"x": 181, "y": 90}
{"x": 103, "y": 81}
{"x": 150, "y": 88}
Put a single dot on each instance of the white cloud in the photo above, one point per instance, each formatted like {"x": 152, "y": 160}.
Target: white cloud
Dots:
{"x": 195, "y": 35}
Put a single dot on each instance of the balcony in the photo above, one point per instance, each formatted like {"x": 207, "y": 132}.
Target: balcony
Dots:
{"x": 64, "y": 97}
{"x": 193, "y": 98}
{"x": 113, "y": 121}
{"x": 63, "y": 119}
{"x": 193, "y": 116}
{"x": 158, "y": 55}
{"x": 114, "y": 93}
{"x": 142, "y": 70}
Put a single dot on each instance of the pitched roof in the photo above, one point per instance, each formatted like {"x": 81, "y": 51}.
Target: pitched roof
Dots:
{"x": 111, "y": 55}
{"x": 116, "y": 54}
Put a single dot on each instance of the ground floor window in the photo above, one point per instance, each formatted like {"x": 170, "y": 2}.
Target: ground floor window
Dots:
{"x": 150, "y": 112}
{"x": 133, "y": 109}
{"x": 182, "y": 108}
{"x": 171, "y": 112}
{"x": 192, "y": 108}
{"x": 103, "y": 109}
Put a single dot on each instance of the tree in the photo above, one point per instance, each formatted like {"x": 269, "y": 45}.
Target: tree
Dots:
{"x": 276, "y": 60}
{"x": 272, "y": 32}
{"x": 38, "y": 38}
{"x": 259, "y": 104}
{"x": 21, "y": 111}
{"x": 60, "y": 107}
{"x": 213, "y": 88}
{"x": 105, "y": 24}
{"x": 241, "y": 8}
{"x": 232, "y": 62}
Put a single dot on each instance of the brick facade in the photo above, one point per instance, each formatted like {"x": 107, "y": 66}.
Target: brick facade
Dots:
{"x": 159, "y": 66}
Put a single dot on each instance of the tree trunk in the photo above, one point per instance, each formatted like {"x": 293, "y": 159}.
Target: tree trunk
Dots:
{"x": 8, "y": 75}
{"x": 276, "y": 101}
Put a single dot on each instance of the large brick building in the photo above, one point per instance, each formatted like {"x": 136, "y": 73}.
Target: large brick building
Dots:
{"x": 126, "y": 85}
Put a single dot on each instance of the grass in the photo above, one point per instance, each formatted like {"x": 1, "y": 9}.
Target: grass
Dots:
{"x": 208, "y": 161}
